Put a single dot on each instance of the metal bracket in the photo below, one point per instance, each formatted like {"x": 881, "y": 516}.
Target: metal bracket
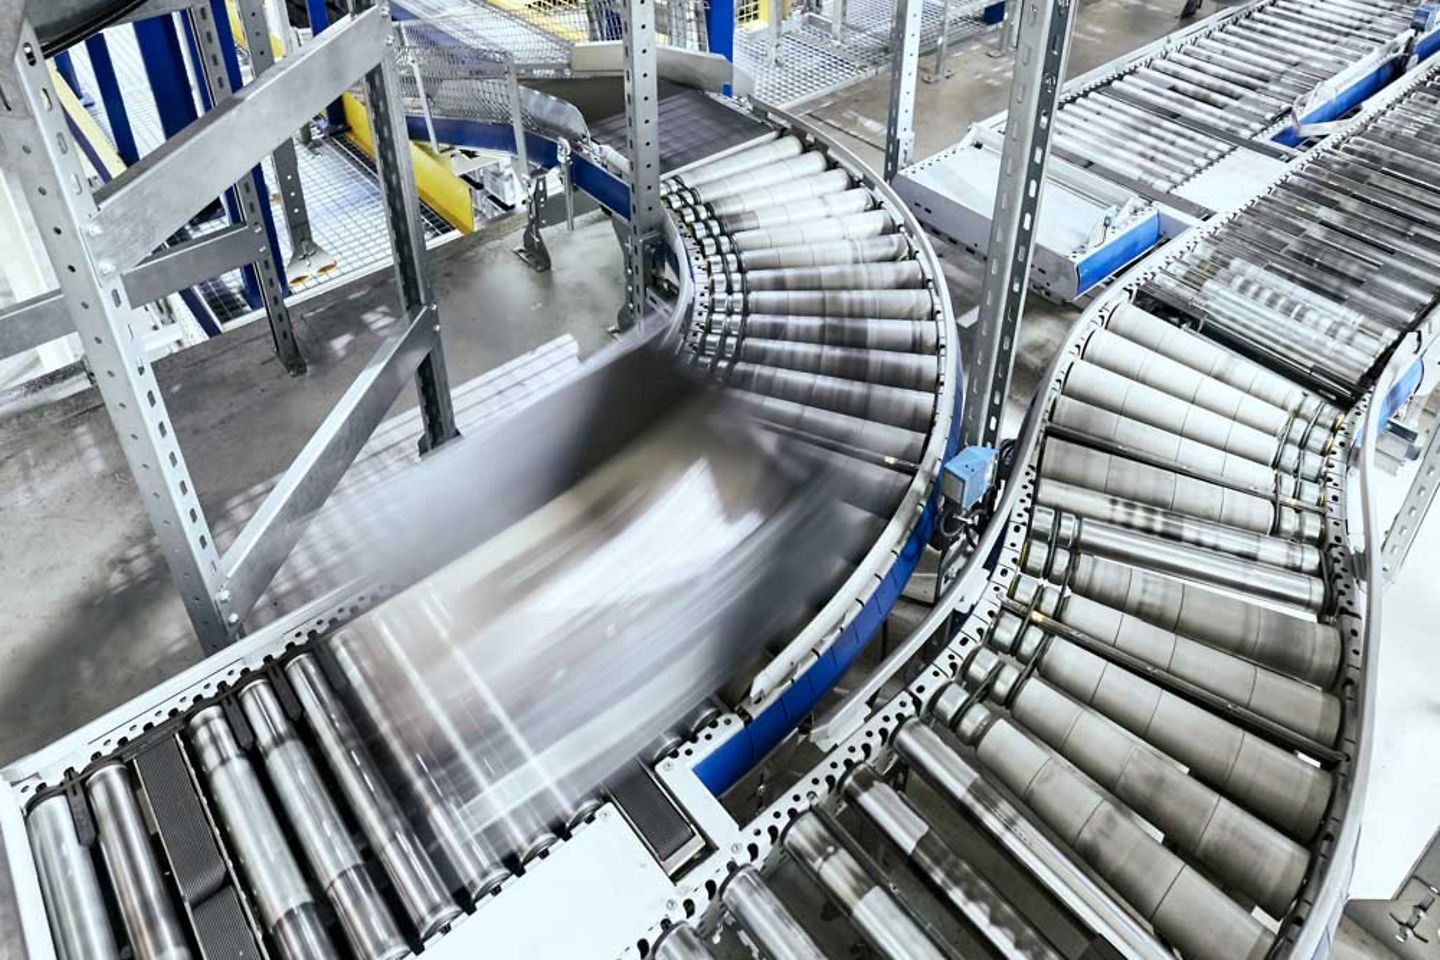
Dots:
{"x": 533, "y": 250}
{"x": 1413, "y": 510}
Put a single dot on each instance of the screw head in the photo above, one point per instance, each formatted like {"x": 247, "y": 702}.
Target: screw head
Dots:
{"x": 233, "y": 619}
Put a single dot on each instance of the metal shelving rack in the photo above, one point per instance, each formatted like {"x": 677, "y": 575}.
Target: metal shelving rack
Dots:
{"x": 100, "y": 241}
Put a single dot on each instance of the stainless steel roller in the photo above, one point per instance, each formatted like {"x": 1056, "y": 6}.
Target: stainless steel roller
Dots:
{"x": 765, "y": 919}
{"x": 1137, "y": 363}
{"x": 874, "y": 911}
{"x": 1080, "y": 466}
{"x": 146, "y": 906}
{"x": 908, "y": 371}
{"x": 902, "y": 336}
{"x": 875, "y": 249}
{"x": 1128, "y": 434}
{"x": 888, "y": 441}
{"x": 1301, "y": 707}
{"x": 324, "y": 839}
{"x": 399, "y": 850}
{"x": 822, "y": 207}
{"x": 900, "y": 304}
{"x": 1181, "y": 559}
{"x": 954, "y": 880}
{"x": 1130, "y": 515}
{"x": 470, "y": 865}
{"x": 887, "y": 275}
{"x": 1185, "y": 908}
{"x": 773, "y": 151}
{"x": 681, "y": 942}
{"x": 1109, "y": 391}
{"x": 1306, "y": 649}
{"x": 1270, "y": 782}
{"x": 286, "y": 908}
{"x": 74, "y": 905}
{"x": 756, "y": 198}
{"x": 1213, "y": 360}
{"x": 911, "y": 409}
{"x": 872, "y": 223}
{"x": 766, "y": 175}
{"x": 1236, "y": 848}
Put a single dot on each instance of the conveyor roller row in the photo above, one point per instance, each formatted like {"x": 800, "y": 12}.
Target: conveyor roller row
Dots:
{"x": 1165, "y": 119}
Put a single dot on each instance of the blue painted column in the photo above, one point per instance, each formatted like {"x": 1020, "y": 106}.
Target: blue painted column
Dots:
{"x": 319, "y": 20}
{"x": 165, "y": 69}
{"x": 720, "y": 28}
{"x": 65, "y": 66}
{"x": 112, "y": 99}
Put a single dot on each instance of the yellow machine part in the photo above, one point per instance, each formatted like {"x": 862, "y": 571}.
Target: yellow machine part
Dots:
{"x": 440, "y": 189}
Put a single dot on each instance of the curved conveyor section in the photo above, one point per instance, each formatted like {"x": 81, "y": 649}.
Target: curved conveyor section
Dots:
{"x": 278, "y": 772}
{"x": 1158, "y": 708}
{"x": 821, "y": 306}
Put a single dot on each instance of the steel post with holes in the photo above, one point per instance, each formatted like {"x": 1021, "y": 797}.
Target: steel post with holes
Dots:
{"x": 939, "y": 71}
{"x": 1413, "y": 509}
{"x": 905, "y": 68}
{"x": 642, "y": 115}
{"x": 1040, "y": 58}
{"x": 307, "y": 258}
{"x": 209, "y": 33}
{"x": 407, "y": 240}
{"x": 36, "y": 145}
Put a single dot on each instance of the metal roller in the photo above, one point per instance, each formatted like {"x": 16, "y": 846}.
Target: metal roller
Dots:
{"x": 1127, "y": 434}
{"x": 151, "y": 921}
{"x": 766, "y": 175}
{"x": 324, "y": 838}
{"x": 751, "y": 158}
{"x": 961, "y": 784}
{"x": 472, "y": 866}
{"x": 879, "y": 438}
{"x": 1305, "y": 649}
{"x": 74, "y": 904}
{"x": 901, "y": 336}
{"x": 874, "y": 911}
{"x": 1180, "y": 559}
{"x": 397, "y": 847}
{"x": 910, "y": 409}
{"x": 1185, "y": 908}
{"x": 876, "y": 249}
{"x": 1212, "y": 360}
{"x": 1270, "y": 782}
{"x": 680, "y": 942}
{"x": 909, "y": 371}
{"x": 1078, "y": 466}
{"x": 876, "y": 304}
{"x": 843, "y": 204}
{"x": 1129, "y": 515}
{"x": 756, "y": 198}
{"x": 1134, "y": 362}
{"x": 1101, "y": 388}
{"x": 872, "y": 223}
{"x": 1237, "y": 849}
{"x": 1306, "y": 709}
{"x": 764, "y": 918}
{"x": 889, "y": 275}
{"x": 286, "y": 908}
{"x": 867, "y": 485}
{"x": 953, "y": 879}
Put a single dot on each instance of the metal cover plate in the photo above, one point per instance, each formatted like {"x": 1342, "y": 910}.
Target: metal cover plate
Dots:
{"x": 604, "y": 882}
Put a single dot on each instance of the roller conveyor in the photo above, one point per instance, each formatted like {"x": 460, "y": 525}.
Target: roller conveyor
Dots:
{"x": 1145, "y": 739}
{"x": 1178, "y": 132}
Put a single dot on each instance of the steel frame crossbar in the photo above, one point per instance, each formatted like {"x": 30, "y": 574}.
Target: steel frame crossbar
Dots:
{"x": 100, "y": 243}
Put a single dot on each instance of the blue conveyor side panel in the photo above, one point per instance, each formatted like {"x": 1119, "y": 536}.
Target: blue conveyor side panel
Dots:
{"x": 1349, "y": 98}
{"x": 1111, "y": 258}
